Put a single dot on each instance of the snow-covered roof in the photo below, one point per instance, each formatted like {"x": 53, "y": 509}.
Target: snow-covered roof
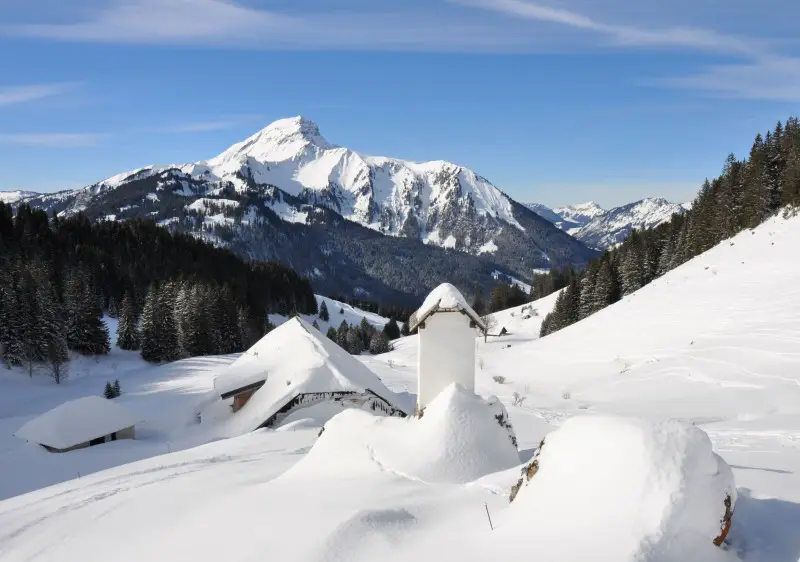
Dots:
{"x": 294, "y": 358}
{"x": 444, "y": 298}
{"x": 77, "y": 421}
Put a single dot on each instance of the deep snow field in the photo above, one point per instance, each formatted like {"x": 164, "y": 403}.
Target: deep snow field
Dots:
{"x": 714, "y": 344}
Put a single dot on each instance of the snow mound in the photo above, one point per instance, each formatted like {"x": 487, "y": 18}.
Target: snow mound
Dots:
{"x": 76, "y": 421}
{"x": 457, "y": 440}
{"x": 293, "y": 359}
{"x": 655, "y": 489}
{"x": 444, "y": 298}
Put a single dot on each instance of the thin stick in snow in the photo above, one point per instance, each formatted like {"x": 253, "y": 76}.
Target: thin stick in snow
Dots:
{"x": 488, "y": 516}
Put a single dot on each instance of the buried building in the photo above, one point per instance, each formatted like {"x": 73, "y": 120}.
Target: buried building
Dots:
{"x": 78, "y": 424}
{"x": 297, "y": 372}
{"x": 446, "y": 325}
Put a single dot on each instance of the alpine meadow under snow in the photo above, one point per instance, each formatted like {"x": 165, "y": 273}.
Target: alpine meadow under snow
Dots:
{"x": 630, "y": 402}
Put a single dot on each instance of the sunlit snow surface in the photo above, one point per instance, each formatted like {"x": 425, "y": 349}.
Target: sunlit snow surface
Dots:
{"x": 714, "y": 344}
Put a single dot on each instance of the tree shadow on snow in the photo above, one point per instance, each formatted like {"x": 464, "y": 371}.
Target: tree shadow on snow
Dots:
{"x": 766, "y": 530}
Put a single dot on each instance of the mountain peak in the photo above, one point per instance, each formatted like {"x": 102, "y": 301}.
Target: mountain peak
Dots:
{"x": 297, "y": 125}
{"x": 281, "y": 140}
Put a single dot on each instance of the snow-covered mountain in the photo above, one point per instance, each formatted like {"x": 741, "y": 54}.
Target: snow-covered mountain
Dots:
{"x": 612, "y": 227}
{"x": 576, "y": 216}
{"x": 600, "y": 228}
{"x": 262, "y": 196}
{"x": 17, "y": 195}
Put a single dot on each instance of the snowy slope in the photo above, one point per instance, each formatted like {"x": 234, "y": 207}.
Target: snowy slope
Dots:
{"x": 713, "y": 344}
{"x": 14, "y": 196}
{"x": 166, "y": 397}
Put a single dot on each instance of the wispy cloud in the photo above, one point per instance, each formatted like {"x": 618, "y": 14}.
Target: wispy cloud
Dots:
{"x": 53, "y": 140}
{"x": 159, "y": 21}
{"x": 11, "y": 95}
{"x": 446, "y": 25}
{"x": 622, "y": 35}
{"x": 772, "y": 78}
{"x": 759, "y": 73}
{"x": 231, "y": 24}
{"x": 208, "y": 126}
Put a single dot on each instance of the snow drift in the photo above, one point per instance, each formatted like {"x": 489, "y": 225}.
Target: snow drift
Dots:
{"x": 457, "y": 440}
{"x": 641, "y": 490}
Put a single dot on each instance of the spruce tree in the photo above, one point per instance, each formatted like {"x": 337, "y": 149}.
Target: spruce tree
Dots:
{"x": 392, "y": 330}
{"x": 314, "y": 323}
{"x": 86, "y": 332}
{"x": 247, "y": 329}
{"x": 404, "y": 330}
{"x": 324, "y": 315}
{"x": 341, "y": 334}
{"x": 379, "y": 343}
{"x": 478, "y": 303}
{"x": 117, "y": 389}
{"x": 150, "y": 327}
{"x": 127, "y": 326}
{"x": 170, "y": 345}
{"x": 353, "y": 342}
{"x": 603, "y": 292}
{"x": 586, "y": 305}
{"x": 331, "y": 334}
{"x": 113, "y": 309}
{"x": 108, "y": 391}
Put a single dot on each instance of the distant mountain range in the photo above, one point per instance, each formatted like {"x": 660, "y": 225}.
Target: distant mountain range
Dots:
{"x": 602, "y": 229}
{"x": 362, "y": 226}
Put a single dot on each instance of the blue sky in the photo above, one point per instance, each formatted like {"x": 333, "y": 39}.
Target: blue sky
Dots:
{"x": 556, "y": 101}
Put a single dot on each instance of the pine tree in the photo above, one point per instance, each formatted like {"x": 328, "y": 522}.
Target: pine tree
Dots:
{"x": 116, "y": 388}
{"x": 586, "y": 305}
{"x": 323, "y": 312}
{"x": 332, "y": 334}
{"x": 379, "y": 343}
{"x": 86, "y": 332}
{"x": 150, "y": 327}
{"x": 113, "y": 310}
{"x": 170, "y": 345}
{"x": 341, "y": 334}
{"x": 314, "y": 323}
{"x": 127, "y": 329}
{"x": 404, "y": 331}
{"x": 353, "y": 342}
{"x": 248, "y": 332}
{"x": 56, "y": 352}
{"x": 631, "y": 265}
{"x": 391, "y": 329}
{"x": 108, "y": 391}
{"x": 478, "y": 303}
{"x": 603, "y": 293}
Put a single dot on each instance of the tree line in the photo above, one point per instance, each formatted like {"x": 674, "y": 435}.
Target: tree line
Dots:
{"x": 744, "y": 195}
{"x": 175, "y": 296}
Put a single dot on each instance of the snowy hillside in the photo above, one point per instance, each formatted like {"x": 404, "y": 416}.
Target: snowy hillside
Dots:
{"x": 166, "y": 397}
{"x": 599, "y": 228}
{"x": 14, "y": 196}
{"x": 712, "y": 346}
